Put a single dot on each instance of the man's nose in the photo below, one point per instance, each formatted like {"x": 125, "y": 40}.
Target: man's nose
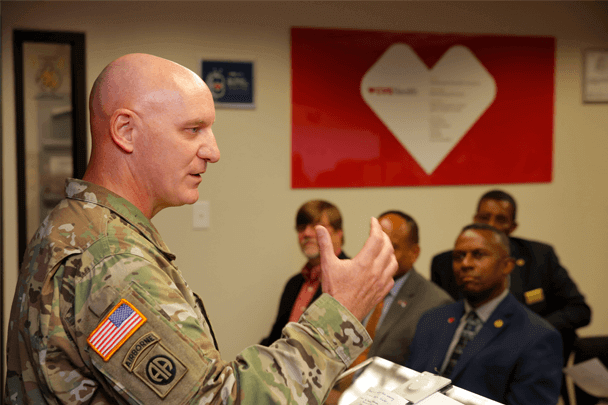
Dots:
{"x": 209, "y": 150}
{"x": 492, "y": 222}
{"x": 309, "y": 230}
{"x": 467, "y": 261}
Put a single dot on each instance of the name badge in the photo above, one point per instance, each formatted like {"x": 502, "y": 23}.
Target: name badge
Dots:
{"x": 534, "y": 296}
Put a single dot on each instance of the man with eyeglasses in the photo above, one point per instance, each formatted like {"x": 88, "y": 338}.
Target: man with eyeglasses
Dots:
{"x": 305, "y": 287}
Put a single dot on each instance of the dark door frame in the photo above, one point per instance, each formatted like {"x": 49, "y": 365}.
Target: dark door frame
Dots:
{"x": 79, "y": 144}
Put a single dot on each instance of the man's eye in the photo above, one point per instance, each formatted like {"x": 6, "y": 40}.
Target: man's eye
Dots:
{"x": 457, "y": 257}
{"x": 478, "y": 255}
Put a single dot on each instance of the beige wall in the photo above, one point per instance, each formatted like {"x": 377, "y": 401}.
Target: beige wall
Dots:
{"x": 240, "y": 264}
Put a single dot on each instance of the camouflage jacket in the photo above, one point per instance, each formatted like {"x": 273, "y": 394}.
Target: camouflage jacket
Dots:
{"x": 102, "y": 315}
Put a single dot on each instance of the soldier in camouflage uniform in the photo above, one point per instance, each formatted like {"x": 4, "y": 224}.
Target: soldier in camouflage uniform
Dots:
{"x": 102, "y": 315}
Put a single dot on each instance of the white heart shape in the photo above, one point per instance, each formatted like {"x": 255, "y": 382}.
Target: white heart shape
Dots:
{"x": 428, "y": 111}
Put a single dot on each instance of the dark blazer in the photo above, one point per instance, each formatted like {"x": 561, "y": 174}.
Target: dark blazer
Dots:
{"x": 516, "y": 358}
{"x": 537, "y": 269}
{"x": 395, "y": 333}
{"x": 288, "y": 299}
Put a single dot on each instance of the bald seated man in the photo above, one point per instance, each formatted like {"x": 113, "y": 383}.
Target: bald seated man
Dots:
{"x": 411, "y": 296}
{"x": 101, "y": 314}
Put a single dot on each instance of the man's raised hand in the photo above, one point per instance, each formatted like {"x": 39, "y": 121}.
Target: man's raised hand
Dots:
{"x": 360, "y": 283}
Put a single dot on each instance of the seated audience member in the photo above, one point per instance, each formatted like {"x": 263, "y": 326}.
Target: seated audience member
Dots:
{"x": 489, "y": 343}
{"x": 411, "y": 296}
{"x": 305, "y": 287}
{"x": 393, "y": 323}
{"x": 538, "y": 280}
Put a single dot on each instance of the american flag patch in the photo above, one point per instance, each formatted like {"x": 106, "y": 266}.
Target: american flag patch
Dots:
{"x": 115, "y": 329}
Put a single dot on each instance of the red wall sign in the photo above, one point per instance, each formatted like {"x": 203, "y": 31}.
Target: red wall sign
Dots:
{"x": 375, "y": 109}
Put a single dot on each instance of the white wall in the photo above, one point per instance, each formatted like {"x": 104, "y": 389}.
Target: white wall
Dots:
{"x": 239, "y": 265}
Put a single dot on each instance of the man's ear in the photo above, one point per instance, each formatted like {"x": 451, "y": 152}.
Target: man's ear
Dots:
{"x": 509, "y": 265}
{"x": 123, "y": 128}
{"x": 512, "y": 228}
{"x": 415, "y": 251}
{"x": 341, "y": 233}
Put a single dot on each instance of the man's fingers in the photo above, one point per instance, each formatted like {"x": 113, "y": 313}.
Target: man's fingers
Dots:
{"x": 373, "y": 244}
{"x": 326, "y": 249}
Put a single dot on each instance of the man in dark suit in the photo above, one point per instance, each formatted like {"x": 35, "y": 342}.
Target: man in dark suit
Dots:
{"x": 489, "y": 343}
{"x": 538, "y": 280}
{"x": 305, "y": 287}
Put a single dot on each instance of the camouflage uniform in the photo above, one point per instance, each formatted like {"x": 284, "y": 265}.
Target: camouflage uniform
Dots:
{"x": 95, "y": 255}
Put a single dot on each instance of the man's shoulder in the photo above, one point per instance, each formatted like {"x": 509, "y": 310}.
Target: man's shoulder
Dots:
{"x": 72, "y": 219}
{"x": 296, "y": 278}
{"x": 441, "y": 311}
{"x": 69, "y": 229}
{"x": 443, "y": 257}
{"x": 74, "y": 227}
{"x": 528, "y": 319}
{"x": 531, "y": 245}
{"x": 434, "y": 320}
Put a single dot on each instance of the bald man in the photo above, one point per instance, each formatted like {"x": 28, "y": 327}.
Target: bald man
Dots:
{"x": 411, "y": 296}
{"x": 102, "y": 315}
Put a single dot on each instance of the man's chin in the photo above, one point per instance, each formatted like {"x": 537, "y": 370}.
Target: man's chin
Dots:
{"x": 190, "y": 198}
{"x": 476, "y": 296}
{"x": 312, "y": 256}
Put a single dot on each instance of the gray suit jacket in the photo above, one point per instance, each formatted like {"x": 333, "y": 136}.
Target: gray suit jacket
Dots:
{"x": 393, "y": 337}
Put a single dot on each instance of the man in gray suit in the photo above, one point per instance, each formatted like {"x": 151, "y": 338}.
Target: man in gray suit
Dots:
{"x": 411, "y": 296}
{"x": 393, "y": 323}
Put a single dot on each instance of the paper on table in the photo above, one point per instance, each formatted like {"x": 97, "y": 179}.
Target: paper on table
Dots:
{"x": 378, "y": 396}
{"x": 591, "y": 376}
{"x": 439, "y": 399}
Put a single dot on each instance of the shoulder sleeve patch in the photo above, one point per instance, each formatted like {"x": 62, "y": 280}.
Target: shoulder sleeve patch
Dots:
{"x": 114, "y": 330}
{"x": 160, "y": 370}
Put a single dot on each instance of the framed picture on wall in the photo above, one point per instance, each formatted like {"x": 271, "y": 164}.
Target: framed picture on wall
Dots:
{"x": 595, "y": 76}
{"x": 230, "y": 82}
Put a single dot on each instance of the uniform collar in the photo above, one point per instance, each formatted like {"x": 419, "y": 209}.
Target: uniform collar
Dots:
{"x": 94, "y": 194}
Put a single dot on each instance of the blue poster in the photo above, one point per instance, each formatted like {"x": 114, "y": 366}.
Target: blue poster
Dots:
{"x": 231, "y": 83}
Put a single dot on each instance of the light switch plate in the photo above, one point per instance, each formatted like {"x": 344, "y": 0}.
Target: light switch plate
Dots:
{"x": 200, "y": 215}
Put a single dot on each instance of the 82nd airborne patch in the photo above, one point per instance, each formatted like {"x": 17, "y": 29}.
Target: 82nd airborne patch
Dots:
{"x": 160, "y": 370}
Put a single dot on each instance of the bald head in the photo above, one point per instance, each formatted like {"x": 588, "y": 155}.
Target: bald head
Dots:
{"x": 136, "y": 82}
{"x": 151, "y": 129}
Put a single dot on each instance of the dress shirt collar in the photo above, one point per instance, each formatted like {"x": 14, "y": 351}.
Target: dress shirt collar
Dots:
{"x": 485, "y": 311}
{"x": 398, "y": 284}
{"x": 311, "y": 274}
